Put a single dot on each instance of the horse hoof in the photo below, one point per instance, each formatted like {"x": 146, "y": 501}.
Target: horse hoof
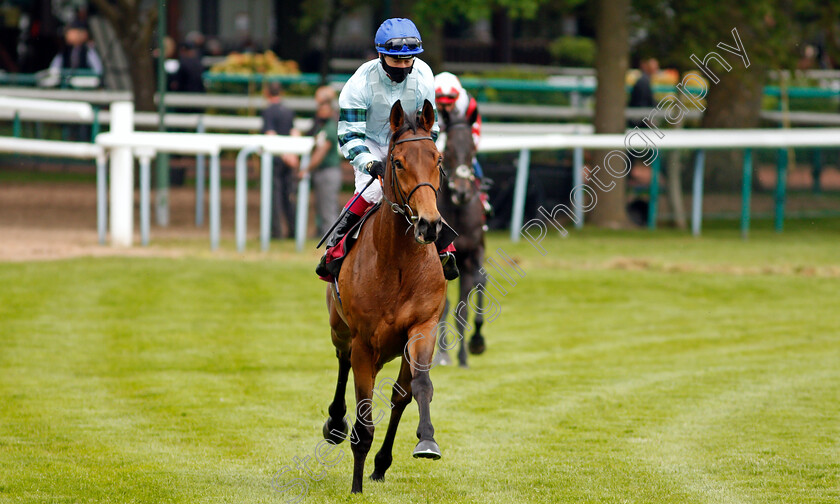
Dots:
{"x": 375, "y": 476}
{"x": 334, "y": 437}
{"x": 427, "y": 449}
{"x": 463, "y": 365}
{"x": 477, "y": 346}
{"x": 442, "y": 359}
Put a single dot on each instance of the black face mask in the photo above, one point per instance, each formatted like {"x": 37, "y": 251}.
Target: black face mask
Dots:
{"x": 395, "y": 73}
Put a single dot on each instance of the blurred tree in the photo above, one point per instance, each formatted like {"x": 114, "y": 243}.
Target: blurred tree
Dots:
{"x": 611, "y": 32}
{"x": 322, "y": 17}
{"x": 134, "y": 27}
{"x": 430, "y": 16}
{"x": 680, "y": 32}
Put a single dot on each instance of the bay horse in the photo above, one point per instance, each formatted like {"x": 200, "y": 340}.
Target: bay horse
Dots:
{"x": 460, "y": 205}
{"x": 391, "y": 289}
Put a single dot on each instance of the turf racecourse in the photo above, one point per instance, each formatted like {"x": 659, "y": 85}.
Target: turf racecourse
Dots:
{"x": 626, "y": 367}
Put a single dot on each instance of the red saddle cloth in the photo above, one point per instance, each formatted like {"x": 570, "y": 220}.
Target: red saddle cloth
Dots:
{"x": 336, "y": 254}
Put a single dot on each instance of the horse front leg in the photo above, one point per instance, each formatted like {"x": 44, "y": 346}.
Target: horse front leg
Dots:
{"x": 336, "y": 427}
{"x": 477, "y": 345}
{"x": 364, "y": 375}
{"x": 400, "y": 398}
{"x": 419, "y": 353}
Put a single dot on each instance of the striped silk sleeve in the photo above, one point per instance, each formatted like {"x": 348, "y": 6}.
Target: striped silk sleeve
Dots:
{"x": 352, "y": 124}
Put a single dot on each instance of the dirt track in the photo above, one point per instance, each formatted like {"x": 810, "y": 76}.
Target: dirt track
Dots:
{"x": 50, "y": 221}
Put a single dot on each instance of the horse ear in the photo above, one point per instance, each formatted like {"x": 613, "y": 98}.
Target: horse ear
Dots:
{"x": 427, "y": 116}
{"x": 397, "y": 116}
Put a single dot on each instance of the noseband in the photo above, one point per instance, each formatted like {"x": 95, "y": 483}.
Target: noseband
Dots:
{"x": 404, "y": 208}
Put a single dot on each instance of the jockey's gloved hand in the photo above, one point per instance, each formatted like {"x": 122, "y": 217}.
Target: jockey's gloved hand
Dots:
{"x": 376, "y": 169}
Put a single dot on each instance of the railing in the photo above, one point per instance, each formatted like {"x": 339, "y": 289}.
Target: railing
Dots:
{"x": 122, "y": 143}
{"x": 201, "y": 101}
{"x": 673, "y": 139}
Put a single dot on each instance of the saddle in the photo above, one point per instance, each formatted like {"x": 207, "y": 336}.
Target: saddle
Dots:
{"x": 336, "y": 254}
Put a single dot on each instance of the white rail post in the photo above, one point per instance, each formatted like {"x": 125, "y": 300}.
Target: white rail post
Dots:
{"x": 697, "y": 193}
{"x": 122, "y": 177}
{"x": 145, "y": 156}
{"x": 266, "y": 167}
{"x": 215, "y": 204}
{"x": 519, "y": 193}
{"x": 199, "y": 180}
{"x": 577, "y": 181}
{"x": 101, "y": 197}
{"x": 302, "y": 216}
{"x": 241, "y": 214}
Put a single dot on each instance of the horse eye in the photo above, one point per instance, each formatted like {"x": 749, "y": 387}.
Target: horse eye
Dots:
{"x": 398, "y": 164}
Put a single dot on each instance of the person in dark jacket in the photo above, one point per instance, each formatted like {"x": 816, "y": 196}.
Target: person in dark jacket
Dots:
{"x": 641, "y": 96}
{"x": 188, "y": 77}
{"x": 78, "y": 53}
{"x": 279, "y": 120}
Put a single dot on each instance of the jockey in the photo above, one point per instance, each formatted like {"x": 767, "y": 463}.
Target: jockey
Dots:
{"x": 364, "y": 131}
{"x": 453, "y": 101}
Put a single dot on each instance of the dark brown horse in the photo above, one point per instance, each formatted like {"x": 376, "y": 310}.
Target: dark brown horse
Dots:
{"x": 391, "y": 290}
{"x": 461, "y": 207}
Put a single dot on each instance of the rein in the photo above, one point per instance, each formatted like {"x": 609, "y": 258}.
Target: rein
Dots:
{"x": 404, "y": 209}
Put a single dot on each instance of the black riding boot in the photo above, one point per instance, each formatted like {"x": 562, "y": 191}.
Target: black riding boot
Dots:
{"x": 345, "y": 223}
{"x": 447, "y": 259}
{"x": 450, "y": 269}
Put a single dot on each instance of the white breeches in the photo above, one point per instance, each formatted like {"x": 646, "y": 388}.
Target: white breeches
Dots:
{"x": 373, "y": 193}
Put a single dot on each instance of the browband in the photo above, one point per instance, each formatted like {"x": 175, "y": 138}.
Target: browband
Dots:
{"x": 412, "y": 139}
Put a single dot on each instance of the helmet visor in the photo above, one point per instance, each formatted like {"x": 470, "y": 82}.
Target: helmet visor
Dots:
{"x": 398, "y": 44}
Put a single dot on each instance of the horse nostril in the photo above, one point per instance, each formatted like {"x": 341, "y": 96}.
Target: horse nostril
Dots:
{"x": 422, "y": 226}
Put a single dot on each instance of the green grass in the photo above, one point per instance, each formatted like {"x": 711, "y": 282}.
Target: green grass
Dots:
{"x": 625, "y": 367}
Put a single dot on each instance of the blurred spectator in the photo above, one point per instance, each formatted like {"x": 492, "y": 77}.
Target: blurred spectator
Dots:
{"x": 78, "y": 53}
{"x": 214, "y": 48}
{"x": 188, "y": 77}
{"x": 278, "y": 120}
{"x": 196, "y": 38}
{"x": 325, "y": 162}
{"x": 641, "y": 96}
{"x": 808, "y": 61}
{"x": 642, "y": 93}
{"x": 170, "y": 62}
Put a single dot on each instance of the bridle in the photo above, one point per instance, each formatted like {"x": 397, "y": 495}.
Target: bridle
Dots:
{"x": 404, "y": 208}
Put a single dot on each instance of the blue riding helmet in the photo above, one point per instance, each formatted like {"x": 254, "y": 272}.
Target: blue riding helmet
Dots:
{"x": 399, "y": 38}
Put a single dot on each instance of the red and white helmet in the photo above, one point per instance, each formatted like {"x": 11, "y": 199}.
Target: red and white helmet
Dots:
{"x": 447, "y": 88}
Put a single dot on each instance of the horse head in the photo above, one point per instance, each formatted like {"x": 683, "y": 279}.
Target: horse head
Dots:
{"x": 413, "y": 172}
{"x": 458, "y": 156}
